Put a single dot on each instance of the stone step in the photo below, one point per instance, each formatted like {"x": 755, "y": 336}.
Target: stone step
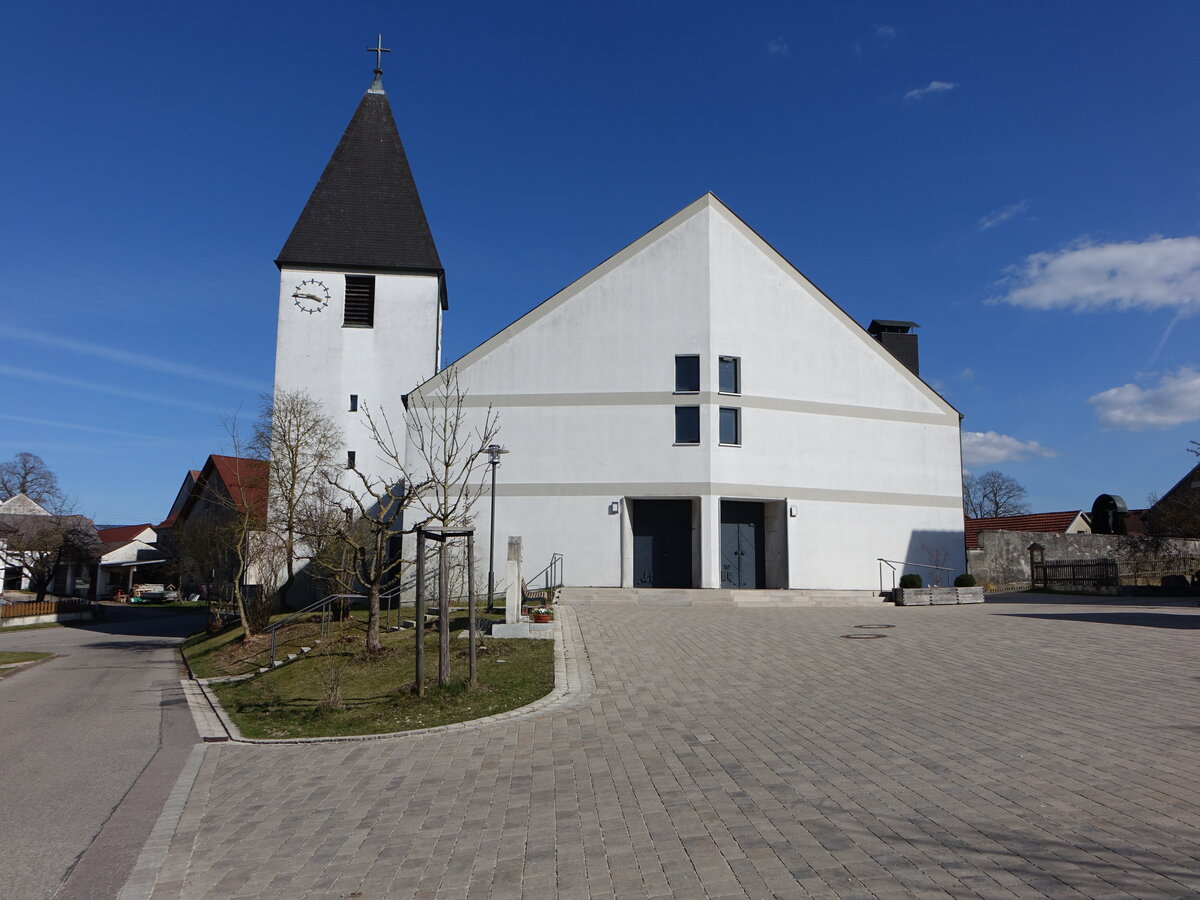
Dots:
{"x": 709, "y": 596}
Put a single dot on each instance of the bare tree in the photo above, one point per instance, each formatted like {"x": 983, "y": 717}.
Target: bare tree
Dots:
{"x": 435, "y": 476}
{"x": 28, "y": 474}
{"x": 38, "y": 544}
{"x": 993, "y": 494}
{"x": 302, "y": 445}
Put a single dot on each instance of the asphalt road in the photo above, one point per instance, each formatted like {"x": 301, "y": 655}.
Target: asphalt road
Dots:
{"x": 90, "y": 745}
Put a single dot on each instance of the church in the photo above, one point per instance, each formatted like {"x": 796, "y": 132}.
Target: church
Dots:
{"x": 691, "y": 413}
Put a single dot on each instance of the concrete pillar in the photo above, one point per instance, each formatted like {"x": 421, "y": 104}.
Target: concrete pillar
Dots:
{"x": 512, "y": 598}
{"x": 710, "y": 542}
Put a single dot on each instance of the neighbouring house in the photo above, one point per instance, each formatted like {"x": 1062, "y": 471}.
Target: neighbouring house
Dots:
{"x": 693, "y": 412}
{"x": 44, "y": 552}
{"x": 209, "y": 527}
{"x": 1177, "y": 513}
{"x": 130, "y": 555}
{"x": 1073, "y": 521}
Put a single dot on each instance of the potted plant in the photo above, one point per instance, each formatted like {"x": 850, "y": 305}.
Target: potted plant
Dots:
{"x": 542, "y": 614}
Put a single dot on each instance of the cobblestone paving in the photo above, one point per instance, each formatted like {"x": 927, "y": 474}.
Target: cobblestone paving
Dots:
{"x": 1008, "y": 749}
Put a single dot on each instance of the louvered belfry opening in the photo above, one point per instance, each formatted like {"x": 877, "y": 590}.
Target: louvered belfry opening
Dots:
{"x": 360, "y": 301}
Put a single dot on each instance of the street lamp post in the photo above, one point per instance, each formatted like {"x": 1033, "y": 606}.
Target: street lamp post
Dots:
{"x": 494, "y": 452}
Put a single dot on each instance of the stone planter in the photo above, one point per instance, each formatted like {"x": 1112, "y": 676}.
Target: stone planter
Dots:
{"x": 938, "y": 596}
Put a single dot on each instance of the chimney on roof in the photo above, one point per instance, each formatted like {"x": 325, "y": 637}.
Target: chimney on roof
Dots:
{"x": 897, "y": 338}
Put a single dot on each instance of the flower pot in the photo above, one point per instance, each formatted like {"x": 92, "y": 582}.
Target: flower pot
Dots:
{"x": 542, "y": 618}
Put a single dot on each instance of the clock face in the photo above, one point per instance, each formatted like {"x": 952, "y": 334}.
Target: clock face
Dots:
{"x": 311, "y": 296}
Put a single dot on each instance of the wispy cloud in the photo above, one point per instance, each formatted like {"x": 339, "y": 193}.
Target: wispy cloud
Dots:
{"x": 1173, "y": 401}
{"x": 1002, "y": 215}
{"x": 982, "y": 448}
{"x": 882, "y": 36}
{"x": 137, "y": 360}
{"x": 1153, "y": 274}
{"x": 94, "y": 387}
{"x": 778, "y": 47}
{"x": 934, "y": 87}
{"x": 77, "y": 426}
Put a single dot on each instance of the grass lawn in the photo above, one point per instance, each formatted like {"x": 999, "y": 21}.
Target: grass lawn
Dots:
{"x": 376, "y": 693}
{"x": 7, "y": 628}
{"x": 20, "y": 656}
{"x": 8, "y": 657}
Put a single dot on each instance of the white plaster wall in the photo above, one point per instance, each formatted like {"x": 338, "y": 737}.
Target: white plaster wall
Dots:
{"x": 315, "y": 353}
{"x": 583, "y": 390}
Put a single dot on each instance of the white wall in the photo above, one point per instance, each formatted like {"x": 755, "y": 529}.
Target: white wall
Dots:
{"x": 583, "y": 386}
{"x": 316, "y": 354}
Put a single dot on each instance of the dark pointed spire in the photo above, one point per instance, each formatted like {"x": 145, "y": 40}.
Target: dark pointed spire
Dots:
{"x": 365, "y": 212}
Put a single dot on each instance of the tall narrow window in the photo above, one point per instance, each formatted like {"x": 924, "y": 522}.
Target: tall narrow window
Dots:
{"x": 687, "y": 424}
{"x": 731, "y": 425}
{"x": 349, "y": 459}
{"x": 730, "y": 380}
{"x": 354, "y": 403}
{"x": 687, "y": 374}
{"x": 360, "y": 301}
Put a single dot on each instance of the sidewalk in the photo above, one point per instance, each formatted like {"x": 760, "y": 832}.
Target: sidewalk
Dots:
{"x": 1002, "y": 750}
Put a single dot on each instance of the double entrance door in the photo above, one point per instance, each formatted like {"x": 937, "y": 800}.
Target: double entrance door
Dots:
{"x": 742, "y": 543}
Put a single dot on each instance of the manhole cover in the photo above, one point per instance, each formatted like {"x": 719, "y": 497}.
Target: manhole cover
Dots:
{"x": 862, "y": 637}
{"x": 874, "y": 626}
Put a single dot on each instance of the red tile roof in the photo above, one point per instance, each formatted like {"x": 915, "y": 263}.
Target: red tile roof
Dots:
{"x": 1052, "y": 523}
{"x": 122, "y": 534}
{"x": 244, "y": 479}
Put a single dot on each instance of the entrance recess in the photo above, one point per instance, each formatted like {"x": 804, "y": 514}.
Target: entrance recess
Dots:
{"x": 662, "y": 543}
{"x": 742, "y": 545}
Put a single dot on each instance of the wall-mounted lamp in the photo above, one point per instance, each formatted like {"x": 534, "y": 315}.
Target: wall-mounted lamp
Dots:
{"x": 792, "y": 511}
{"x": 614, "y": 508}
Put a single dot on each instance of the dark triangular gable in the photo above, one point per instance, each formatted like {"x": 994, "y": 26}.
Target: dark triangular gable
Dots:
{"x": 365, "y": 212}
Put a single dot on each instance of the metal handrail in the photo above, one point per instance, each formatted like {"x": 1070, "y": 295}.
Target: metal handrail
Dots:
{"x": 322, "y": 605}
{"x": 556, "y": 566}
{"x": 901, "y": 562}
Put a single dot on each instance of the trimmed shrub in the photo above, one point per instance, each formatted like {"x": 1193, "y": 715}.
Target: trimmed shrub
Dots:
{"x": 964, "y": 580}
{"x": 911, "y": 581}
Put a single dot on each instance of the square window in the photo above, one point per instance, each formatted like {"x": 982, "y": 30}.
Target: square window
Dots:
{"x": 687, "y": 374}
{"x": 687, "y": 424}
{"x": 730, "y": 380}
{"x": 354, "y": 403}
{"x": 360, "y": 301}
{"x": 731, "y": 425}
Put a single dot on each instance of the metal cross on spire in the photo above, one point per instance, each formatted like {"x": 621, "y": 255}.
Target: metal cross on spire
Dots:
{"x": 378, "y": 50}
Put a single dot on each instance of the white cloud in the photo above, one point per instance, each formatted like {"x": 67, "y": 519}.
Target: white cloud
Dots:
{"x": 778, "y": 47}
{"x": 139, "y": 360}
{"x": 1173, "y": 401}
{"x": 1000, "y": 216}
{"x": 885, "y": 33}
{"x": 982, "y": 448}
{"x": 934, "y": 87}
{"x": 1152, "y": 274}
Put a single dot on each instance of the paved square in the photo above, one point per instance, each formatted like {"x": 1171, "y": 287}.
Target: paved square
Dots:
{"x": 1010, "y": 749}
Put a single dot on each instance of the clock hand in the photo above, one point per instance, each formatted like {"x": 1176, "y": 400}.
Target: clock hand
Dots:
{"x": 309, "y": 296}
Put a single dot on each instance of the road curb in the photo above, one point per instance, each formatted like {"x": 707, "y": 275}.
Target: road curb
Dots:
{"x": 572, "y": 680}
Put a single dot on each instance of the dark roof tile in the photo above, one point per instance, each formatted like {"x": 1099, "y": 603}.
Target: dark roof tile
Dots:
{"x": 365, "y": 212}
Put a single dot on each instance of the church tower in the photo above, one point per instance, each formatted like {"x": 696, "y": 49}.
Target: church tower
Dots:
{"x": 361, "y": 287}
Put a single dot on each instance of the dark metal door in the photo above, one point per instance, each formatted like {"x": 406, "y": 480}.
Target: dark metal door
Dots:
{"x": 742, "y": 564}
{"x": 662, "y": 543}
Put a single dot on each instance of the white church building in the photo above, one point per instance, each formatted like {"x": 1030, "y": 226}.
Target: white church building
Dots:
{"x": 691, "y": 413}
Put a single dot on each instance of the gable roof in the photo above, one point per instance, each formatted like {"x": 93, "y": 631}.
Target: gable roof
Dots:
{"x": 707, "y": 201}
{"x": 1046, "y": 523}
{"x": 20, "y": 505}
{"x": 121, "y": 534}
{"x": 242, "y": 480}
{"x": 365, "y": 212}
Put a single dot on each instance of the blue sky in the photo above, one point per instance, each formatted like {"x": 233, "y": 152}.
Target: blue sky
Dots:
{"x": 1021, "y": 179}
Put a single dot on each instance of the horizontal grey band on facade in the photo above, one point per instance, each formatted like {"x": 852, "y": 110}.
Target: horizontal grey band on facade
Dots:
{"x": 652, "y": 490}
{"x": 744, "y": 401}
